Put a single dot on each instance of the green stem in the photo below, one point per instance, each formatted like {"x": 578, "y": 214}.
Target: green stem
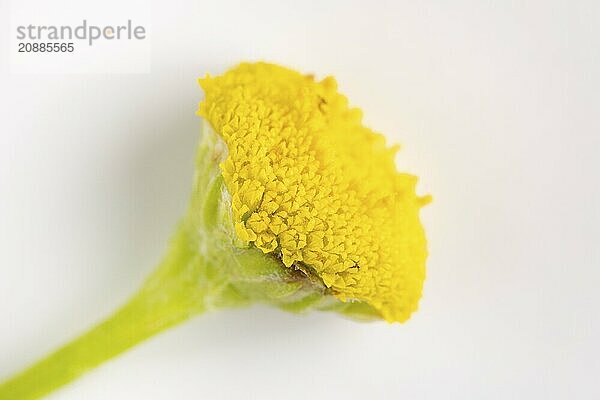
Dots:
{"x": 168, "y": 297}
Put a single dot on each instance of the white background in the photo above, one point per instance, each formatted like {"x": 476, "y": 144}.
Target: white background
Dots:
{"x": 496, "y": 106}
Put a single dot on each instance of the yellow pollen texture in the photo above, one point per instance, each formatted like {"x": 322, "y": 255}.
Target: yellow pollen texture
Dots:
{"x": 309, "y": 183}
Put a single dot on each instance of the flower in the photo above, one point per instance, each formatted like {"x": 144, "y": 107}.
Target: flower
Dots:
{"x": 312, "y": 185}
{"x": 294, "y": 203}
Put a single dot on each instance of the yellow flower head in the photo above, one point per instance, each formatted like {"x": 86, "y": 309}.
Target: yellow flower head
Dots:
{"x": 310, "y": 184}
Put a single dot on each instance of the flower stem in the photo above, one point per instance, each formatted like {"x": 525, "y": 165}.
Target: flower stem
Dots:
{"x": 170, "y": 296}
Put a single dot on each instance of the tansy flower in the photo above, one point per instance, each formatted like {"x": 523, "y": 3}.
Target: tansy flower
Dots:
{"x": 295, "y": 203}
{"x": 310, "y": 184}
